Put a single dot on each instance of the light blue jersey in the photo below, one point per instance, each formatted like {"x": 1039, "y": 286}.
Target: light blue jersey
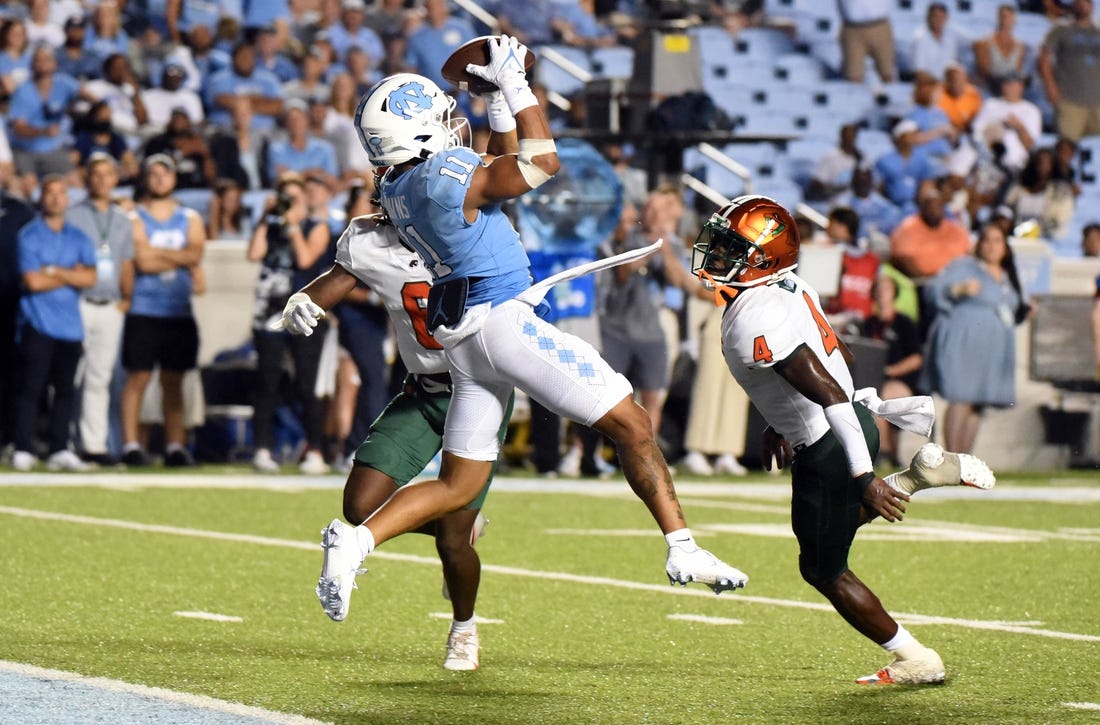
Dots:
{"x": 425, "y": 205}
{"x": 167, "y": 294}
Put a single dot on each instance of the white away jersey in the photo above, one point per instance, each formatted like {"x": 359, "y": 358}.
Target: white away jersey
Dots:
{"x": 764, "y": 325}
{"x": 374, "y": 255}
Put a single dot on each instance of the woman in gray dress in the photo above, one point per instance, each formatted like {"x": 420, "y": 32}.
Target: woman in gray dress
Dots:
{"x": 972, "y": 340}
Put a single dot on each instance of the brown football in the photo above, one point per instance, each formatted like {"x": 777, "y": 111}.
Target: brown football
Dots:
{"x": 474, "y": 51}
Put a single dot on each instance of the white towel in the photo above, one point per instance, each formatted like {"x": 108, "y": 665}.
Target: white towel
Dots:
{"x": 915, "y": 413}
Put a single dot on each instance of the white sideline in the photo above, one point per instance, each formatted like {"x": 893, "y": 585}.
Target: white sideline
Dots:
{"x": 1082, "y": 705}
{"x": 209, "y": 616}
{"x": 1013, "y": 627}
{"x": 702, "y": 619}
{"x": 159, "y": 693}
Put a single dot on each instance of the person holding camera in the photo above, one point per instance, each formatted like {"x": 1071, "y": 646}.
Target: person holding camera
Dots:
{"x": 286, "y": 242}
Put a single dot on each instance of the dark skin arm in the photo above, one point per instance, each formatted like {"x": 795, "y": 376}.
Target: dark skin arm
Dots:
{"x": 807, "y": 374}
{"x": 331, "y": 287}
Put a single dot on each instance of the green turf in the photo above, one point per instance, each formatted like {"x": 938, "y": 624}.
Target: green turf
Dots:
{"x": 99, "y": 600}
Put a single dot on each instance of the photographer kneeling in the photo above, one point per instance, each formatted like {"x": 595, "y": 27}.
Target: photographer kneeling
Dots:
{"x": 286, "y": 242}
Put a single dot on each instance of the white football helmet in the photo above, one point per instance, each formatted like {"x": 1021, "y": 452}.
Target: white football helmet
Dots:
{"x": 407, "y": 116}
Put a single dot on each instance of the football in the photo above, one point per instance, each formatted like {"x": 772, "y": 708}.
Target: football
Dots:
{"x": 474, "y": 51}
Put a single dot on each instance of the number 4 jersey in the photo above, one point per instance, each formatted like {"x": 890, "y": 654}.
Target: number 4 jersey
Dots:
{"x": 373, "y": 254}
{"x": 764, "y": 325}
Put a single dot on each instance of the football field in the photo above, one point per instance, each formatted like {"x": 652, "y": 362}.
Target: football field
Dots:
{"x": 131, "y": 597}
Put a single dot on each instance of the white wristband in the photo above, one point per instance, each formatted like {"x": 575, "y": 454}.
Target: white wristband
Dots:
{"x": 498, "y": 113}
{"x": 519, "y": 97}
{"x": 845, "y": 426}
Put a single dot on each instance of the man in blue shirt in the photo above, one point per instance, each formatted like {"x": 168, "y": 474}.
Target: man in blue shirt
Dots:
{"x": 301, "y": 151}
{"x": 444, "y": 200}
{"x": 902, "y": 169}
{"x": 38, "y": 121}
{"x": 350, "y": 31}
{"x": 434, "y": 41}
{"x": 57, "y": 260}
{"x": 244, "y": 79}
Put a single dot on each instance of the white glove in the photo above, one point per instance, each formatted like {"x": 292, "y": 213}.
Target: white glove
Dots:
{"x": 497, "y": 111}
{"x": 301, "y": 314}
{"x": 505, "y": 71}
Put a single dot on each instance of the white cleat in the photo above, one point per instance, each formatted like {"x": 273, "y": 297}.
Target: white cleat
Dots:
{"x": 462, "y": 651}
{"x": 342, "y": 560}
{"x": 926, "y": 670}
{"x": 699, "y": 565}
{"x": 932, "y": 467}
{"x": 476, "y": 532}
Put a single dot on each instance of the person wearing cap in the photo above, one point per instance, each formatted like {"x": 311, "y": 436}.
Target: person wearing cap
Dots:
{"x": 73, "y": 59}
{"x": 901, "y": 170}
{"x": 244, "y": 79}
{"x": 185, "y": 144}
{"x": 936, "y": 43}
{"x": 349, "y": 31}
{"x": 160, "y": 330}
{"x": 56, "y": 261}
{"x": 103, "y": 306}
{"x": 301, "y": 151}
{"x": 161, "y": 102}
{"x": 1068, "y": 65}
{"x": 1011, "y": 121}
{"x": 1000, "y": 53}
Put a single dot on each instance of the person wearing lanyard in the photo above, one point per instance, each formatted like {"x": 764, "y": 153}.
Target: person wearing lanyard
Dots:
{"x": 103, "y": 306}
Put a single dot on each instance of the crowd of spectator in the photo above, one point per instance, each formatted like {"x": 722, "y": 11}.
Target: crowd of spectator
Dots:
{"x": 142, "y": 129}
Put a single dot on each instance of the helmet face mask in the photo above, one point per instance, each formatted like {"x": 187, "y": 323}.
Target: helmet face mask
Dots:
{"x": 406, "y": 117}
{"x": 751, "y": 241}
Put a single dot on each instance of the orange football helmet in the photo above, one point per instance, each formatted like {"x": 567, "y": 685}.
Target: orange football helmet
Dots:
{"x": 752, "y": 240}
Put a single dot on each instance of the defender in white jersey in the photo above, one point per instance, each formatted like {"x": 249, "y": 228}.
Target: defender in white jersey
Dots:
{"x": 409, "y": 432}
{"x": 781, "y": 349}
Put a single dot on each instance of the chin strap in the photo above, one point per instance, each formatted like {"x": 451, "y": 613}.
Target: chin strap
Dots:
{"x": 723, "y": 294}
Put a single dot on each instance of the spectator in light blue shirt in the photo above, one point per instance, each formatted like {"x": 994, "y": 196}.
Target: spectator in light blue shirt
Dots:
{"x": 15, "y": 54}
{"x": 431, "y": 43}
{"x": 269, "y": 58}
{"x": 529, "y": 21}
{"x": 56, "y": 260}
{"x": 39, "y": 127}
{"x": 301, "y": 151}
{"x": 351, "y": 31}
{"x": 258, "y": 13}
{"x": 575, "y": 23}
{"x": 244, "y": 79}
{"x": 935, "y": 132}
{"x": 106, "y": 37}
{"x": 902, "y": 169}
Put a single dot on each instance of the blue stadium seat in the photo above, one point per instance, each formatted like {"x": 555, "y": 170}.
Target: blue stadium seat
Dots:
{"x": 1032, "y": 28}
{"x": 844, "y": 97}
{"x": 715, "y": 51}
{"x": 782, "y": 189}
{"x": 732, "y": 97}
{"x": 712, "y": 173}
{"x": 616, "y": 61}
{"x": 803, "y": 156}
{"x": 798, "y": 69}
{"x": 762, "y": 43}
{"x": 556, "y": 78}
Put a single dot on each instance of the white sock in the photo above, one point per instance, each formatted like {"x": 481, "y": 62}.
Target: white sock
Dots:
{"x": 466, "y": 626}
{"x": 904, "y": 645}
{"x": 365, "y": 538}
{"x": 681, "y": 538}
{"x": 173, "y": 447}
{"x": 131, "y": 446}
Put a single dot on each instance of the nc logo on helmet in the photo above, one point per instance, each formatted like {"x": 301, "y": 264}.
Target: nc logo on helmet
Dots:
{"x": 409, "y": 100}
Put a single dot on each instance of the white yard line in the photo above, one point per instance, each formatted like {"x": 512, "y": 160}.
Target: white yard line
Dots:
{"x": 180, "y": 698}
{"x": 701, "y": 619}
{"x": 532, "y": 573}
{"x": 1082, "y": 705}
{"x": 209, "y": 616}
